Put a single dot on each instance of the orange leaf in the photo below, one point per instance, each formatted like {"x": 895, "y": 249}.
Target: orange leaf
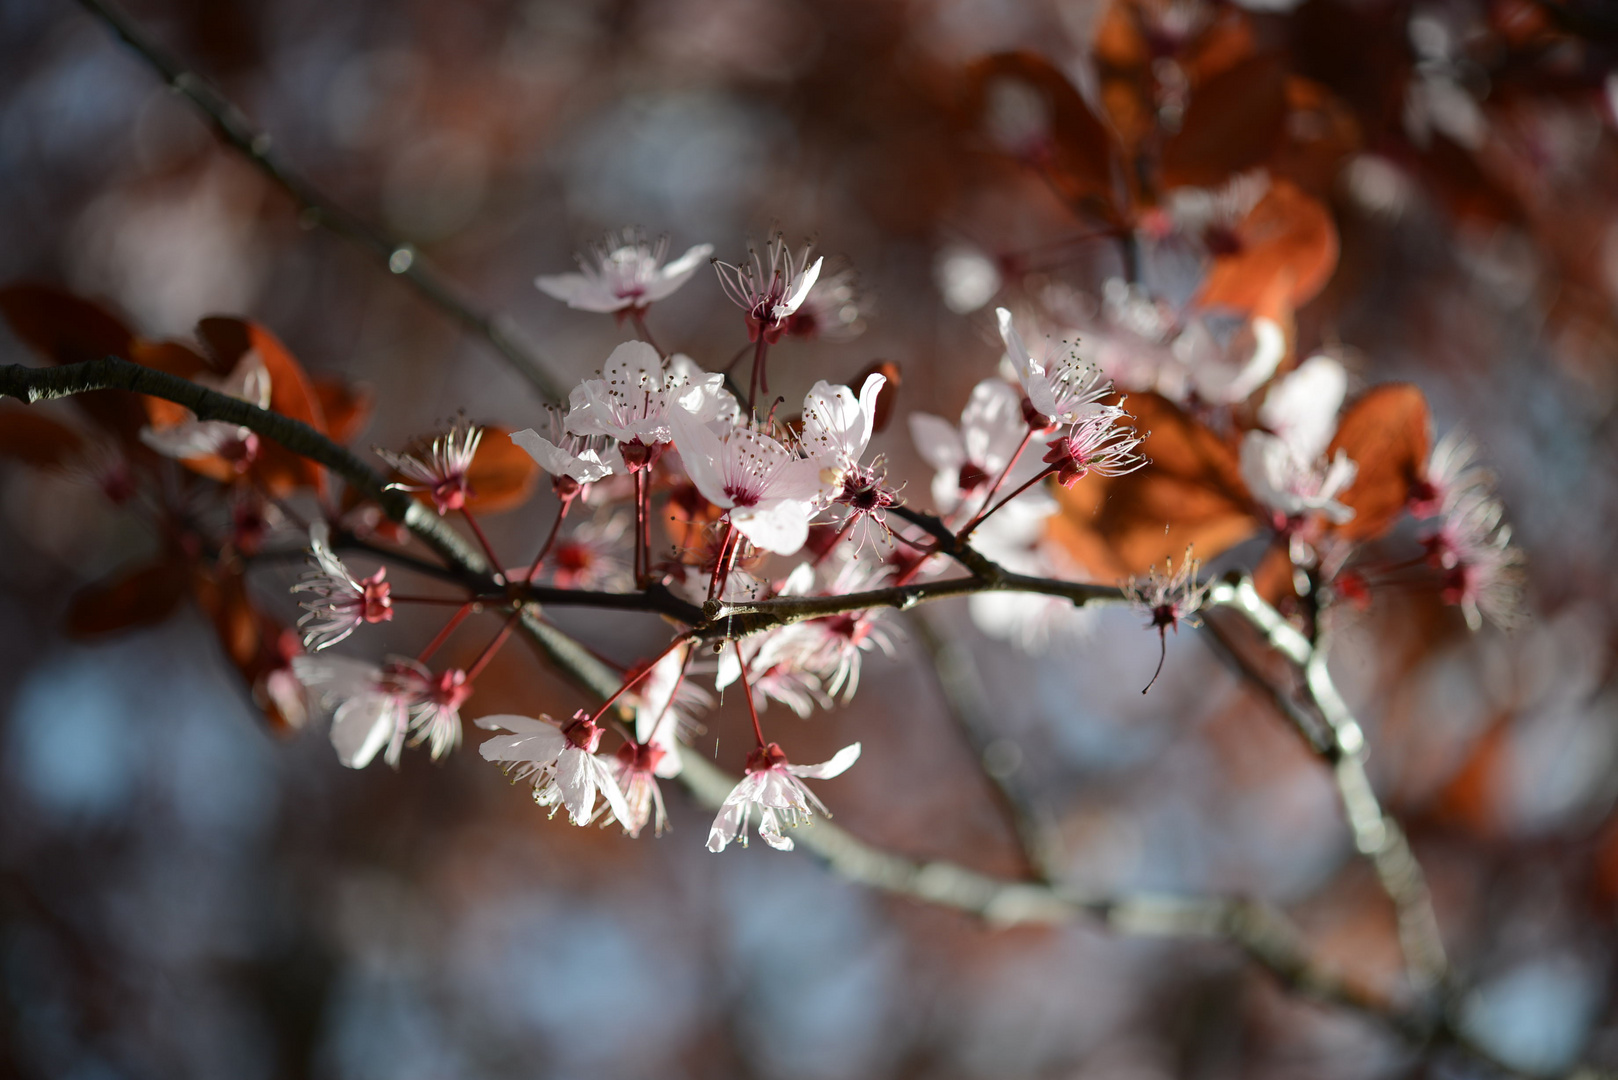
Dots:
{"x": 33, "y": 438}
{"x": 1233, "y": 122}
{"x": 291, "y": 395}
{"x": 346, "y": 407}
{"x": 1190, "y": 493}
{"x": 142, "y": 597}
{"x": 1387, "y": 432}
{"x": 1072, "y": 147}
{"x": 888, "y": 399}
{"x": 1288, "y": 236}
{"x": 502, "y": 474}
{"x": 68, "y": 330}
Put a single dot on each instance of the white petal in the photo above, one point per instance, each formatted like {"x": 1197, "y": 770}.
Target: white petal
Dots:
{"x": 1302, "y": 408}
{"x": 805, "y": 283}
{"x": 610, "y": 790}
{"x": 576, "y": 781}
{"x": 770, "y": 830}
{"x": 580, "y": 292}
{"x": 676, "y": 273}
{"x": 702, "y": 453}
{"x": 780, "y": 525}
{"x": 730, "y": 820}
{"x": 362, "y": 726}
{"x": 828, "y": 769}
{"x": 937, "y": 441}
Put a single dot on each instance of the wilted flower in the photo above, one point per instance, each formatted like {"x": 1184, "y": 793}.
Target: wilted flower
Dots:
{"x": 561, "y": 762}
{"x": 769, "y": 295}
{"x": 623, "y": 273}
{"x": 441, "y": 469}
{"x": 342, "y": 601}
{"x": 775, "y": 787}
{"x": 248, "y": 381}
{"x": 1168, "y": 597}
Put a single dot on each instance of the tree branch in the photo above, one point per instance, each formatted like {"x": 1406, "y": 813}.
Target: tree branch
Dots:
{"x": 401, "y": 259}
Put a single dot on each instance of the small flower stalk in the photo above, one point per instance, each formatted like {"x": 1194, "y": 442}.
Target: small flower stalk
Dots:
{"x": 1168, "y": 597}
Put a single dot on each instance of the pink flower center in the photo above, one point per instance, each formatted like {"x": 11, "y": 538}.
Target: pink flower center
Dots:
{"x": 583, "y": 732}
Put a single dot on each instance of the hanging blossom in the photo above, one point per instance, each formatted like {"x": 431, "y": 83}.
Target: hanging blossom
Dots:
{"x": 832, "y": 649}
{"x": 774, "y": 673}
{"x": 1482, "y": 571}
{"x": 969, "y": 458}
{"x": 624, "y": 273}
{"x": 663, "y": 704}
{"x": 248, "y": 381}
{"x": 1063, "y": 391}
{"x": 561, "y": 761}
{"x": 770, "y": 295}
{"x": 768, "y": 493}
{"x": 342, "y": 602}
{"x": 776, "y": 789}
{"x": 1168, "y": 597}
{"x": 441, "y": 470}
{"x": 630, "y": 403}
{"x": 573, "y": 461}
{"x": 369, "y": 709}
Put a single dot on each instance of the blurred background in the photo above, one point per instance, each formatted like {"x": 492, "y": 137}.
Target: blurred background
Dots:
{"x": 185, "y": 891}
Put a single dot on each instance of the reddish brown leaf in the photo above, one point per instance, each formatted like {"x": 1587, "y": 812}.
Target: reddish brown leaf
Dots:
{"x": 29, "y": 436}
{"x": 1073, "y": 148}
{"x": 1289, "y": 236}
{"x": 1322, "y": 132}
{"x": 346, "y": 407}
{"x": 141, "y": 597}
{"x": 888, "y": 399}
{"x": 1190, "y": 493}
{"x": 68, "y": 330}
{"x": 1233, "y": 123}
{"x": 222, "y": 593}
{"x": 502, "y": 474}
{"x": 1387, "y": 432}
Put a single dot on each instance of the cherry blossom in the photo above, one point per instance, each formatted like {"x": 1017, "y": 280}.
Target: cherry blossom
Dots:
{"x": 441, "y": 470}
{"x": 624, "y": 273}
{"x": 969, "y": 458}
{"x": 776, "y": 789}
{"x": 435, "y": 703}
{"x": 837, "y": 426}
{"x": 768, "y": 492}
{"x": 248, "y": 381}
{"x": 1168, "y": 597}
{"x": 774, "y": 672}
{"x": 1482, "y": 571}
{"x": 770, "y": 294}
{"x": 573, "y": 460}
{"x": 343, "y": 602}
{"x": 591, "y": 556}
{"x": 1451, "y": 474}
{"x": 1292, "y": 486}
{"x": 635, "y": 769}
{"x": 1096, "y": 444}
{"x": 630, "y": 403}
{"x": 560, "y": 760}
{"x": 831, "y": 312}
{"x": 368, "y": 709}
{"x": 1060, "y": 391}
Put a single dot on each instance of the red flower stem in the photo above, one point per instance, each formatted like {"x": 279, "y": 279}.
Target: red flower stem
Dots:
{"x": 488, "y": 551}
{"x": 747, "y": 692}
{"x": 760, "y": 350}
{"x": 685, "y": 666}
{"x": 493, "y": 647}
{"x": 443, "y": 635}
{"x": 994, "y": 488}
{"x": 981, "y": 518}
{"x": 719, "y": 563}
{"x": 638, "y": 316}
{"x": 640, "y": 534}
{"x": 639, "y": 675}
{"x": 646, "y": 523}
{"x": 550, "y": 540}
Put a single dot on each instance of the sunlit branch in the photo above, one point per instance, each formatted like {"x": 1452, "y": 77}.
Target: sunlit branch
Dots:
{"x": 401, "y": 259}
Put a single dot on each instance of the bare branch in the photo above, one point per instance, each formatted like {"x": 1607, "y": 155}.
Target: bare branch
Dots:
{"x": 401, "y": 259}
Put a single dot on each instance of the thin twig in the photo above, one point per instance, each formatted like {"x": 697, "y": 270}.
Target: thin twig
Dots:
{"x": 401, "y": 259}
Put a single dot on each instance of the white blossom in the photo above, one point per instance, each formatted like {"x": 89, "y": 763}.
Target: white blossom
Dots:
{"x": 769, "y": 492}
{"x": 776, "y": 789}
{"x": 623, "y": 273}
{"x": 561, "y": 762}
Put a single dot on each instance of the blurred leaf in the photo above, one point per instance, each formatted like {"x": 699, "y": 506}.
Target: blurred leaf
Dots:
{"x": 29, "y": 436}
{"x": 1321, "y": 134}
{"x": 346, "y": 407}
{"x": 66, "y": 329}
{"x": 1387, "y": 432}
{"x": 1288, "y": 237}
{"x": 1190, "y": 493}
{"x": 1076, "y": 152}
{"x": 1233, "y": 123}
{"x": 142, "y": 597}
{"x": 502, "y": 474}
{"x": 222, "y": 593}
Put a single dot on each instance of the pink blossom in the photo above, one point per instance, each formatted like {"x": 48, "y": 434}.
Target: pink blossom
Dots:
{"x": 624, "y": 273}
{"x": 832, "y": 311}
{"x": 775, "y": 787}
{"x": 343, "y": 602}
{"x": 560, "y": 760}
{"x": 769, "y": 295}
{"x": 368, "y": 709}
{"x": 768, "y": 492}
{"x": 1482, "y": 571}
{"x": 1060, "y": 391}
{"x": 441, "y": 471}
{"x": 574, "y": 461}
{"x": 1291, "y": 486}
{"x": 1451, "y": 475}
{"x": 969, "y": 458}
{"x": 1096, "y": 444}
